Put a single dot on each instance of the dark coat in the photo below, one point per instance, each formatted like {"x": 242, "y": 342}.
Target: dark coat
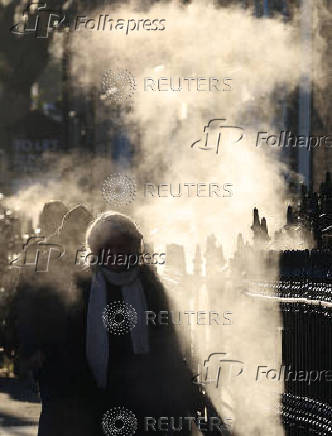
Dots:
{"x": 52, "y": 318}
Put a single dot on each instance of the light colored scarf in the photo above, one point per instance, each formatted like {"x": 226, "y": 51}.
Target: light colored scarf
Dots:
{"x": 97, "y": 337}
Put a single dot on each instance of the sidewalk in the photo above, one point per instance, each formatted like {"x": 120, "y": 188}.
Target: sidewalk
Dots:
{"x": 19, "y": 409}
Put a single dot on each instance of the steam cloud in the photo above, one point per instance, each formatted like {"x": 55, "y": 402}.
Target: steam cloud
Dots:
{"x": 262, "y": 58}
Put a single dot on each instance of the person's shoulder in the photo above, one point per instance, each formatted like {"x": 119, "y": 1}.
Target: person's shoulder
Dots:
{"x": 149, "y": 276}
{"x": 82, "y": 281}
{"x": 83, "y": 278}
{"x": 154, "y": 289}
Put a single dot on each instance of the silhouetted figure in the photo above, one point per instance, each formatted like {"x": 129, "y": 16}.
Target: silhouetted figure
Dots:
{"x": 140, "y": 369}
{"x": 51, "y": 217}
{"x": 48, "y": 344}
{"x": 83, "y": 368}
